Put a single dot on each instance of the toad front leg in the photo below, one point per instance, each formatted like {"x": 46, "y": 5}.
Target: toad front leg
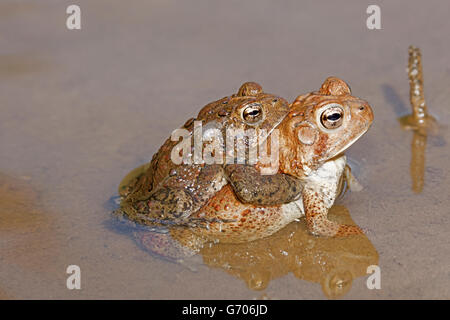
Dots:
{"x": 252, "y": 187}
{"x": 316, "y": 205}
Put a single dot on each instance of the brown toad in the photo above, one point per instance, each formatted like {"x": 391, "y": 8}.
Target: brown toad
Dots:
{"x": 319, "y": 127}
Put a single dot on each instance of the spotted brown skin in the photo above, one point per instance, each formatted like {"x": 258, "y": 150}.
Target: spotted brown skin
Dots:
{"x": 246, "y": 222}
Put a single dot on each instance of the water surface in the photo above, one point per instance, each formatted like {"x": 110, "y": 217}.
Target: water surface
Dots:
{"x": 80, "y": 109}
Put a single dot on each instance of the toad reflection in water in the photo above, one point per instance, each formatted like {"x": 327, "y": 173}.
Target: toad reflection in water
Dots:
{"x": 420, "y": 122}
{"x": 331, "y": 262}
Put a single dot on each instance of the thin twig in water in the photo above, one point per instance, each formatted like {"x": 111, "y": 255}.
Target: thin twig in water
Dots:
{"x": 419, "y": 121}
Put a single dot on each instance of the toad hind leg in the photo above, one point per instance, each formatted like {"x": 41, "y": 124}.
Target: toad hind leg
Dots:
{"x": 316, "y": 212}
{"x": 177, "y": 197}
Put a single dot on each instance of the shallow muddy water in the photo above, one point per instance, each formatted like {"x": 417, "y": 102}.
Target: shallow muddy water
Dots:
{"x": 80, "y": 109}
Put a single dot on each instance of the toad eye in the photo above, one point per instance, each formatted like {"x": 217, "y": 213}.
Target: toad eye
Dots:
{"x": 252, "y": 113}
{"x": 332, "y": 117}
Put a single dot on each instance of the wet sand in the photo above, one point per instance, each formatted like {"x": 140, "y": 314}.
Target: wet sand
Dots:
{"x": 80, "y": 109}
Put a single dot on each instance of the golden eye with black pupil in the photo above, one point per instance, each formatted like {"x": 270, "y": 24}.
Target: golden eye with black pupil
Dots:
{"x": 252, "y": 113}
{"x": 332, "y": 117}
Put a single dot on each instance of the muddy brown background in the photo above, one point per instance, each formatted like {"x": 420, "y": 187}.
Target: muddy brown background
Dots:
{"x": 79, "y": 109}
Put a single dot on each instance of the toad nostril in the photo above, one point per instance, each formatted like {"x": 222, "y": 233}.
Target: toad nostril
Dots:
{"x": 361, "y": 108}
